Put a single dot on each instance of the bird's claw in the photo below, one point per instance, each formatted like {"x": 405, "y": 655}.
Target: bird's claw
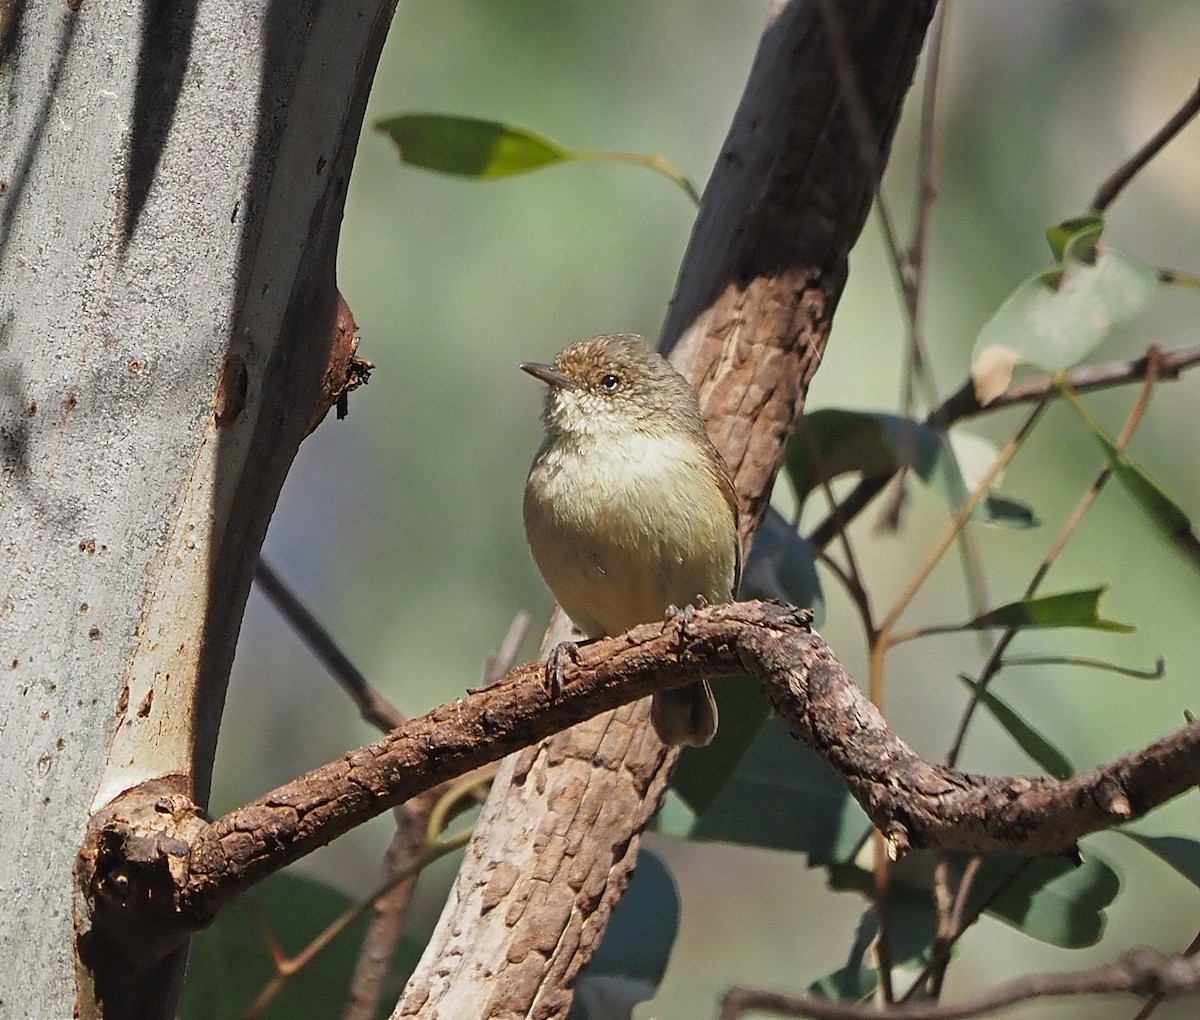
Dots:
{"x": 555, "y": 666}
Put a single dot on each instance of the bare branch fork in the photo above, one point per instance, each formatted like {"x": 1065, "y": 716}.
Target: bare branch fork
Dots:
{"x": 154, "y": 869}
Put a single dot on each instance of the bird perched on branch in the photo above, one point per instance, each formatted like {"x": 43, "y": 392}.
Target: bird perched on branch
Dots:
{"x": 629, "y": 508}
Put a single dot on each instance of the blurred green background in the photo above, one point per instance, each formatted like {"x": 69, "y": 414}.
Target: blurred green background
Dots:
{"x": 400, "y": 526}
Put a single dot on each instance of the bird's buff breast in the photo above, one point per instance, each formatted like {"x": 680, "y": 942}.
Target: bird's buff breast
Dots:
{"x": 623, "y": 528}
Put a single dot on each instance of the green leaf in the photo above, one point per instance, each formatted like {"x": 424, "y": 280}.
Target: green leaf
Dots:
{"x": 1164, "y": 513}
{"x": 1057, "y": 317}
{"x": 1052, "y": 900}
{"x": 833, "y": 441}
{"x": 230, "y": 963}
{"x": 1075, "y": 238}
{"x": 700, "y": 775}
{"x": 469, "y": 147}
{"x": 484, "y": 149}
{"x": 782, "y": 566}
{"x": 784, "y": 797}
{"x": 1066, "y": 609}
{"x": 1180, "y": 852}
{"x": 1028, "y": 739}
{"x": 912, "y": 924}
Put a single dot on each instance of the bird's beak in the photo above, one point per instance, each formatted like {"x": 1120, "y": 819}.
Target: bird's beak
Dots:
{"x": 549, "y": 375}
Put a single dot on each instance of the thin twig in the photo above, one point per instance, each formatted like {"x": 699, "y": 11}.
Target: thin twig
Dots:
{"x": 1089, "y": 662}
{"x": 287, "y": 968}
{"x": 1112, "y": 187}
{"x": 1155, "y": 1000}
{"x": 934, "y": 971}
{"x": 915, "y": 258}
{"x": 1142, "y": 972}
{"x": 992, "y": 665}
{"x": 881, "y": 891}
{"x": 390, "y": 912}
{"x": 851, "y": 577}
{"x": 373, "y": 704}
{"x": 505, "y": 656}
{"x": 961, "y": 516}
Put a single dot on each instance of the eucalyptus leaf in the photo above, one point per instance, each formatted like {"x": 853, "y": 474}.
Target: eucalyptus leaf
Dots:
{"x": 486, "y": 149}
{"x": 1060, "y": 315}
{"x": 834, "y": 441}
{"x": 1066, "y": 609}
{"x": 1073, "y": 238}
{"x": 469, "y": 147}
{"x": 1167, "y": 517}
{"x": 632, "y": 958}
{"x": 700, "y": 775}
{"x": 1033, "y": 743}
{"x": 782, "y": 566}
{"x": 912, "y": 924}
{"x": 784, "y": 797}
{"x": 1180, "y": 852}
{"x": 1053, "y": 900}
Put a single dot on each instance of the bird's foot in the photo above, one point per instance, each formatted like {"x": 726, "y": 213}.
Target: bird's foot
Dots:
{"x": 555, "y": 666}
{"x": 680, "y": 618}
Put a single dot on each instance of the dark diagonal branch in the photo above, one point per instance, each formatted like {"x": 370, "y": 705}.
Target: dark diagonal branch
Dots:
{"x": 373, "y": 704}
{"x": 1112, "y": 187}
{"x": 153, "y": 867}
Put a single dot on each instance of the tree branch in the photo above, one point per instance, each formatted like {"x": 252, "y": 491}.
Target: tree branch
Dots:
{"x": 153, "y": 858}
{"x": 1142, "y": 972}
{"x": 1125, "y": 173}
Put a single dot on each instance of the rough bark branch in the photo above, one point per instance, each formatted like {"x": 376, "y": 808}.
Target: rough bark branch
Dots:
{"x": 153, "y": 857}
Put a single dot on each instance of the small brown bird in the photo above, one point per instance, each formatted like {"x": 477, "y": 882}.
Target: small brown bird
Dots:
{"x": 629, "y": 508}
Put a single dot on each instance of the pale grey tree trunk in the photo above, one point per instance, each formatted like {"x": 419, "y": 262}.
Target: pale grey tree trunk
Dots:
{"x": 173, "y": 175}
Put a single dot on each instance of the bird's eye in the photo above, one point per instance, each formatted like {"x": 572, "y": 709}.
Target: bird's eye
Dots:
{"x": 611, "y": 382}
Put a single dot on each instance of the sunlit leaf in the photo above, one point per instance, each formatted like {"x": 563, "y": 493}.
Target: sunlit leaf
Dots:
{"x": 1057, "y": 317}
{"x": 1026, "y": 736}
{"x": 1067, "y": 609}
{"x": 469, "y": 147}
{"x": 484, "y": 149}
